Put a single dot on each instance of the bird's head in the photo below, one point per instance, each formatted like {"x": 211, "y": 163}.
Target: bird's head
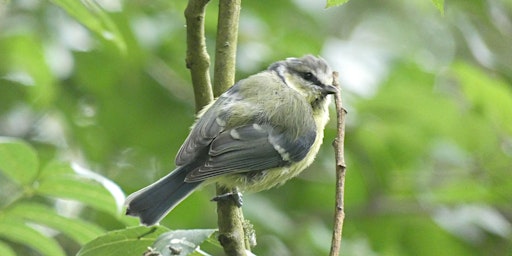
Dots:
{"x": 310, "y": 76}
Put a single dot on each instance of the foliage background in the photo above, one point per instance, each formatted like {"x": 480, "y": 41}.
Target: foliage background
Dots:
{"x": 428, "y": 144}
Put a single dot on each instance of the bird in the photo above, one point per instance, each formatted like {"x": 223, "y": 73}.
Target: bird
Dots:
{"x": 261, "y": 132}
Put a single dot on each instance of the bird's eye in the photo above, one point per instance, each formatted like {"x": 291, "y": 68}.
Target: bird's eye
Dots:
{"x": 308, "y": 76}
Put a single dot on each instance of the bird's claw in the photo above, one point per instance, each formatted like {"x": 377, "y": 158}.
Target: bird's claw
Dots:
{"x": 235, "y": 196}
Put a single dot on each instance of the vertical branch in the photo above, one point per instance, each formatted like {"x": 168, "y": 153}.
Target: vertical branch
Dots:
{"x": 198, "y": 60}
{"x": 231, "y": 225}
{"x": 230, "y": 217}
{"x": 339, "y": 213}
{"x": 225, "y": 52}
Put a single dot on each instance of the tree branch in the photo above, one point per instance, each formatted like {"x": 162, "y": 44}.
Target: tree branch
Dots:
{"x": 339, "y": 214}
{"x": 231, "y": 225}
{"x": 198, "y": 60}
{"x": 230, "y": 218}
{"x": 225, "y": 52}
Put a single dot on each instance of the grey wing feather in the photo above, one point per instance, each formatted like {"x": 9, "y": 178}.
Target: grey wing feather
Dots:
{"x": 251, "y": 148}
{"x": 209, "y": 125}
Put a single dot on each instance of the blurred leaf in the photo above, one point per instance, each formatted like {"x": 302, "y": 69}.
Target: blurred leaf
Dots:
{"x": 17, "y": 231}
{"x": 77, "y": 229}
{"x": 473, "y": 220}
{"x": 60, "y": 180}
{"x": 91, "y": 15}
{"x": 405, "y": 234}
{"x": 439, "y": 4}
{"x": 28, "y": 67}
{"x": 413, "y": 231}
{"x": 18, "y": 160}
{"x": 114, "y": 190}
{"x": 87, "y": 191}
{"x": 182, "y": 242}
{"x": 6, "y": 250}
{"x": 492, "y": 97}
{"x": 130, "y": 241}
{"x": 55, "y": 168}
{"x": 332, "y": 3}
{"x": 455, "y": 189}
{"x": 404, "y": 122}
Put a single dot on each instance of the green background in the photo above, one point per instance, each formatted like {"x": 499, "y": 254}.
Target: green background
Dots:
{"x": 104, "y": 86}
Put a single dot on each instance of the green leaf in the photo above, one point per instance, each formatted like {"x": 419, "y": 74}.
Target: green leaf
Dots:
{"x": 113, "y": 189}
{"x": 55, "y": 168}
{"x": 6, "y": 250}
{"x": 91, "y": 15}
{"x": 71, "y": 186}
{"x": 59, "y": 179}
{"x": 18, "y": 160}
{"x": 182, "y": 242}
{"x": 439, "y": 4}
{"x": 332, "y": 3}
{"x": 17, "y": 231}
{"x": 79, "y": 230}
{"x": 64, "y": 180}
{"x": 129, "y": 241}
{"x": 28, "y": 66}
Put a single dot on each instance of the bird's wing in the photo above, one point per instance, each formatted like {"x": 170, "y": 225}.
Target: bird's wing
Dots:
{"x": 208, "y": 126}
{"x": 216, "y": 118}
{"x": 252, "y": 147}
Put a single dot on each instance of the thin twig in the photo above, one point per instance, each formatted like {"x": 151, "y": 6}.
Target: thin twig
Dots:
{"x": 198, "y": 60}
{"x": 339, "y": 213}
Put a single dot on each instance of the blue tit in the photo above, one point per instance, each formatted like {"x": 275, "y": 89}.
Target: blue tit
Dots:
{"x": 260, "y": 133}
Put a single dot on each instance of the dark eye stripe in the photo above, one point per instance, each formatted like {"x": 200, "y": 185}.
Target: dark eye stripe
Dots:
{"x": 308, "y": 76}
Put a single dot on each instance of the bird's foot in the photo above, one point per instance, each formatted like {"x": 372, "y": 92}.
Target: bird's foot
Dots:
{"x": 235, "y": 196}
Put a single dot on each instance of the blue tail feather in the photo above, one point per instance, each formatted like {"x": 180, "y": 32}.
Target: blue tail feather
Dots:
{"x": 153, "y": 202}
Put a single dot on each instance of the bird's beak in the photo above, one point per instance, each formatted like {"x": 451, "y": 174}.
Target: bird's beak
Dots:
{"x": 329, "y": 89}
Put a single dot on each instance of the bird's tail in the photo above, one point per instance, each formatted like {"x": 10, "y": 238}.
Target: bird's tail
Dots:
{"x": 153, "y": 202}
